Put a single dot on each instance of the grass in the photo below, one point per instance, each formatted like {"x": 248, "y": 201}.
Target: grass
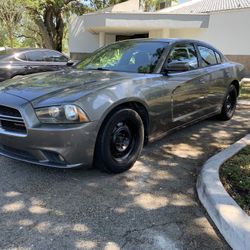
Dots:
{"x": 235, "y": 176}
{"x": 245, "y": 91}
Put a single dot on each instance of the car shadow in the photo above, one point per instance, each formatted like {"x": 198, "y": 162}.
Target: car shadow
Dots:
{"x": 152, "y": 206}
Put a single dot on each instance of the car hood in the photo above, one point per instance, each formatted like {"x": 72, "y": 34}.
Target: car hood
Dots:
{"x": 61, "y": 86}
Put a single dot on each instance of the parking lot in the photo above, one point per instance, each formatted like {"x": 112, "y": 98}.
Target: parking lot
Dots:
{"x": 152, "y": 206}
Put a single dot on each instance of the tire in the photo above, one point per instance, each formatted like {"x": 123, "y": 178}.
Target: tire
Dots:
{"x": 229, "y": 104}
{"x": 120, "y": 141}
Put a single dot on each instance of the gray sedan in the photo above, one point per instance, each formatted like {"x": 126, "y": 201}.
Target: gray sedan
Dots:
{"x": 14, "y": 62}
{"x": 108, "y": 106}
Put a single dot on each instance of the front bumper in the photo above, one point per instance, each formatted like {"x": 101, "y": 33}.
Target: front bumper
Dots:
{"x": 63, "y": 146}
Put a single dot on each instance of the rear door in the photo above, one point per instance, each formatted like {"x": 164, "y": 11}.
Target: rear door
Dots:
{"x": 189, "y": 95}
{"x": 35, "y": 61}
{"x": 55, "y": 60}
{"x": 215, "y": 76}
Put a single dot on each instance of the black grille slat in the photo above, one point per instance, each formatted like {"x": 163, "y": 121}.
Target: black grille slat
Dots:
{"x": 11, "y": 120}
{"x": 9, "y": 111}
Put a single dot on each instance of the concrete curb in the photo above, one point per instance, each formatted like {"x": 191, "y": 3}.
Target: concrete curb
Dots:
{"x": 246, "y": 79}
{"x": 230, "y": 219}
{"x": 243, "y": 102}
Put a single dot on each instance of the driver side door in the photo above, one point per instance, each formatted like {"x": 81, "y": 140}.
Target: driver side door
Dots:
{"x": 190, "y": 92}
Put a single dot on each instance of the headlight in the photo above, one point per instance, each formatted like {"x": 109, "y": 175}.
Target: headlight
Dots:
{"x": 61, "y": 114}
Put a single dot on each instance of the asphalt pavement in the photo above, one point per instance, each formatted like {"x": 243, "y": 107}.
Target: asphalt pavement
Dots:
{"x": 152, "y": 206}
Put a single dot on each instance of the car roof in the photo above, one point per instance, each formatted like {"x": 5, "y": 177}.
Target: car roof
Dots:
{"x": 166, "y": 40}
{"x": 9, "y": 51}
{"x": 172, "y": 41}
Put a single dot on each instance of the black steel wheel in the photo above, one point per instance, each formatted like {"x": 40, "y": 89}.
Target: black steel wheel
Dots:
{"x": 229, "y": 104}
{"x": 120, "y": 141}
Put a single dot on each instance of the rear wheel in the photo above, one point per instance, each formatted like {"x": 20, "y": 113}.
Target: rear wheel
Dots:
{"x": 120, "y": 141}
{"x": 229, "y": 104}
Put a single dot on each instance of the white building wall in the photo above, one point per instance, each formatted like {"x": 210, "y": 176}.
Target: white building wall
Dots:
{"x": 228, "y": 31}
{"x": 162, "y": 33}
{"x": 110, "y": 38}
{"x": 81, "y": 41}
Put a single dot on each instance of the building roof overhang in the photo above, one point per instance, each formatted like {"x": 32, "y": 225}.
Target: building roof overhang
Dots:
{"x": 113, "y": 22}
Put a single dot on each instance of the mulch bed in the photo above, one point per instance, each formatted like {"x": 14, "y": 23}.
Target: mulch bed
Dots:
{"x": 235, "y": 176}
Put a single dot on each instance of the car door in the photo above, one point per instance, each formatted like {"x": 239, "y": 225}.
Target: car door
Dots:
{"x": 215, "y": 75}
{"x": 15, "y": 65}
{"x": 55, "y": 60}
{"x": 35, "y": 61}
{"x": 190, "y": 92}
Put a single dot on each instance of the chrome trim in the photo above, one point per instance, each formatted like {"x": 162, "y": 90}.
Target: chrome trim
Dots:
{"x": 11, "y": 118}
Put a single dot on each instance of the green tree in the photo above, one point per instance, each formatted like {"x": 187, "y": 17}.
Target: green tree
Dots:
{"x": 152, "y": 5}
{"x": 10, "y": 17}
{"x": 3, "y": 37}
{"x": 50, "y": 16}
{"x": 101, "y": 4}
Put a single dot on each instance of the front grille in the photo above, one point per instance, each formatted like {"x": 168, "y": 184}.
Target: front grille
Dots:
{"x": 11, "y": 120}
{"x": 9, "y": 111}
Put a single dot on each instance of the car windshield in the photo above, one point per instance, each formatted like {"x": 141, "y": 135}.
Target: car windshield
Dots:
{"x": 128, "y": 56}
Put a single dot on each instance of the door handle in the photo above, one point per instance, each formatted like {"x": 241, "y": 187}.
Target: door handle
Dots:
{"x": 28, "y": 67}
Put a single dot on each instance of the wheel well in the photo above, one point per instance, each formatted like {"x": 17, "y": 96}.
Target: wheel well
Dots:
{"x": 237, "y": 86}
{"x": 140, "y": 109}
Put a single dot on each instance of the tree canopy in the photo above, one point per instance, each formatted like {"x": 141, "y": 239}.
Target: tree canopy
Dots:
{"x": 44, "y": 23}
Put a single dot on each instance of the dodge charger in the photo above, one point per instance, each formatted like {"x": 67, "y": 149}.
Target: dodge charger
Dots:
{"x": 106, "y": 108}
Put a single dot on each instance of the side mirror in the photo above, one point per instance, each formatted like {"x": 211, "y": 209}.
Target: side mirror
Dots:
{"x": 70, "y": 63}
{"x": 176, "y": 67}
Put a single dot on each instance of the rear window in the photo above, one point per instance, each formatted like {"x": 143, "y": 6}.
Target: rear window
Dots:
{"x": 22, "y": 57}
{"x": 207, "y": 56}
{"x": 218, "y": 57}
{"x": 35, "y": 56}
{"x": 53, "y": 56}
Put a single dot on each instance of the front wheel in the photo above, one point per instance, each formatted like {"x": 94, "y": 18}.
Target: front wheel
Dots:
{"x": 120, "y": 141}
{"x": 229, "y": 104}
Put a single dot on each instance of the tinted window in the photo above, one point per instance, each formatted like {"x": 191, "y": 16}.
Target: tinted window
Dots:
{"x": 22, "y": 57}
{"x": 127, "y": 56}
{"x": 207, "y": 56}
{"x": 35, "y": 56}
{"x": 51, "y": 56}
{"x": 218, "y": 57}
{"x": 184, "y": 53}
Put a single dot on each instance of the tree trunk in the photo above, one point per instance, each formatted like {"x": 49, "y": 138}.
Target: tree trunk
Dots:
{"x": 46, "y": 38}
{"x": 51, "y": 24}
{"x": 11, "y": 36}
{"x": 59, "y": 33}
